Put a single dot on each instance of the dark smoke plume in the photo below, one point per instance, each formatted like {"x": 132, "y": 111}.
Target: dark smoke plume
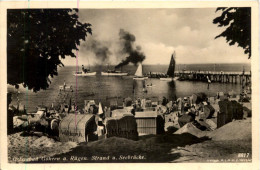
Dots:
{"x": 134, "y": 54}
{"x": 101, "y": 51}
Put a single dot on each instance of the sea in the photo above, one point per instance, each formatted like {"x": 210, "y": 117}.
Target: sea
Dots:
{"x": 104, "y": 89}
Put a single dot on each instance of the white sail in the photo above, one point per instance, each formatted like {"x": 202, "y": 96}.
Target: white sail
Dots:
{"x": 139, "y": 71}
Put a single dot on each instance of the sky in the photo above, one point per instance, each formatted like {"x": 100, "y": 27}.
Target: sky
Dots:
{"x": 189, "y": 32}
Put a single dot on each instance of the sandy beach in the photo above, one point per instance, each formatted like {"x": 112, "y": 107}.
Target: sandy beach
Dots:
{"x": 223, "y": 144}
{"x": 23, "y": 148}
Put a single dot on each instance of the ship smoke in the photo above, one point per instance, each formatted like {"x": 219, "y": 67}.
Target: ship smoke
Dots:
{"x": 133, "y": 53}
{"x": 99, "y": 48}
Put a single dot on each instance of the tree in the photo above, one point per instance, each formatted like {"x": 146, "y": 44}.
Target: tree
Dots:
{"x": 238, "y": 26}
{"x": 37, "y": 40}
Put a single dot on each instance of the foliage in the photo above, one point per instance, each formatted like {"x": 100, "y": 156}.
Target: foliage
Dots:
{"x": 238, "y": 26}
{"x": 37, "y": 40}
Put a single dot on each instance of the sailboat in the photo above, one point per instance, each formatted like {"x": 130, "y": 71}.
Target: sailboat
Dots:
{"x": 171, "y": 69}
{"x": 139, "y": 73}
{"x": 84, "y": 72}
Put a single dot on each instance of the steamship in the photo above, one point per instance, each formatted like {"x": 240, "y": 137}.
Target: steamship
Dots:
{"x": 113, "y": 73}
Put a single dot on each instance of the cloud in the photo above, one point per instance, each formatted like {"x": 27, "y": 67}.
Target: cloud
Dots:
{"x": 157, "y": 53}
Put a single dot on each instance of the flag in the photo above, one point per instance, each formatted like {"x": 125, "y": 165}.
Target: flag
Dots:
{"x": 100, "y": 110}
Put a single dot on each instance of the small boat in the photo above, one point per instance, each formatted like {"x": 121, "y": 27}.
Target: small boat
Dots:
{"x": 139, "y": 73}
{"x": 84, "y": 72}
{"x": 171, "y": 69}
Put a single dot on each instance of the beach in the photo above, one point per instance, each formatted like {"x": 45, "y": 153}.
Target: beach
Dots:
{"x": 222, "y": 145}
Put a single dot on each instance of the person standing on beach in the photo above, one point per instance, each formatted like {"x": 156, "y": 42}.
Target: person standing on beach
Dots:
{"x": 64, "y": 85}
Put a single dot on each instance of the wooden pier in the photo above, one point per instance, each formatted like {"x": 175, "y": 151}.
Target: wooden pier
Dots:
{"x": 243, "y": 78}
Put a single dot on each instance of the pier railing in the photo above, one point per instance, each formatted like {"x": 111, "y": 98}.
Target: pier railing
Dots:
{"x": 213, "y": 72}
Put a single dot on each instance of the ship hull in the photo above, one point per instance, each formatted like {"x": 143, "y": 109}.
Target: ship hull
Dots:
{"x": 113, "y": 74}
{"x": 140, "y": 78}
{"x": 169, "y": 79}
{"x": 85, "y": 74}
